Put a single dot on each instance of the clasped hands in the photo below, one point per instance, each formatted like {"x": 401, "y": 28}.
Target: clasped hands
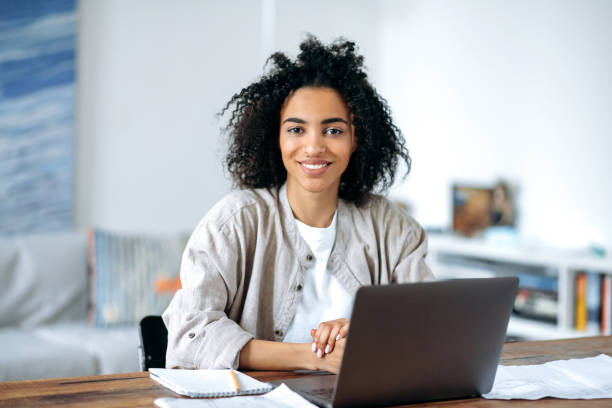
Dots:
{"x": 328, "y": 343}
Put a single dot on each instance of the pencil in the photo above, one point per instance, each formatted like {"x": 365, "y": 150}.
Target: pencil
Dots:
{"x": 235, "y": 380}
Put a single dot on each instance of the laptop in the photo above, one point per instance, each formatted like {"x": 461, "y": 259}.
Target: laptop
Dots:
{"x": 418, "y": 342}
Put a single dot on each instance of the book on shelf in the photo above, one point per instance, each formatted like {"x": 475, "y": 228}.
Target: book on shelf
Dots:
{"x": 606, "y": 305}
{"x": 580, "y": 310}
{"x": 592, "y": 302}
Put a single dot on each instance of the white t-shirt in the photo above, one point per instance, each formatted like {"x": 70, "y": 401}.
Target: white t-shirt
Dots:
{"x": 323, "y": 296}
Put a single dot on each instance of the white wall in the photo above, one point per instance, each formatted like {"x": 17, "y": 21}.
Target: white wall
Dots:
{"x": 152, "y": 75}
{"x": 356, "y": 20}
{"x": 520, "y": 90}
{"x": 483, "y": 89}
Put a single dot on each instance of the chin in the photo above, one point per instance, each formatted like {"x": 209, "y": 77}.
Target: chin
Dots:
{"x": 316, "y": 187}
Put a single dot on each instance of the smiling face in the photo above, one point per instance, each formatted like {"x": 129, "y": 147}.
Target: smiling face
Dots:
{"x": 316, "y": 140}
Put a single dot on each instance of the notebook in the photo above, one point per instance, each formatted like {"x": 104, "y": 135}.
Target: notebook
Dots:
{"x": 281, "y": 397}
{"x": 207, "y": 383}
{"x": 417, "y": 342}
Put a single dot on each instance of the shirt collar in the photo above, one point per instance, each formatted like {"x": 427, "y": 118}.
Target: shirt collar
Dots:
{"x": 344, "y": 224}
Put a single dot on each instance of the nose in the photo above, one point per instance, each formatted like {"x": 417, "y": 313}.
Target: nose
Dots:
{"x": 314, "y": 144}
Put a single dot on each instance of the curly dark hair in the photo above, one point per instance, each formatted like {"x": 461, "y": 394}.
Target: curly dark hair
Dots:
{"x": 254, "y": 157}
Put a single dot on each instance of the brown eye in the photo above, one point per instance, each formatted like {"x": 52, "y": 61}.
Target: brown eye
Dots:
{"x": 294, "y": 130}
{"x": 333, "y": 131}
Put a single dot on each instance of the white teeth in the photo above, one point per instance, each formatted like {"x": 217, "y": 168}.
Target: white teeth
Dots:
{"x": 314, "y": 166}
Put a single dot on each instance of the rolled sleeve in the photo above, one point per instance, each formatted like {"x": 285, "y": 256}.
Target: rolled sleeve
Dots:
{"x": 201, "y": 338}
{"x": 224, "y": 351}
{"x": 200, "y": 333}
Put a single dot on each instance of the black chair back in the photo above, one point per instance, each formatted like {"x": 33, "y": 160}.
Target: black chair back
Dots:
{"x": 153, "y": 342}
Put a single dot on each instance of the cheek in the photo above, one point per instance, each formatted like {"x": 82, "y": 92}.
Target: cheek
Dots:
{"x": 282, "y": 144}
{"x": 287, "y": 146}
{"x": 346, "y": 152}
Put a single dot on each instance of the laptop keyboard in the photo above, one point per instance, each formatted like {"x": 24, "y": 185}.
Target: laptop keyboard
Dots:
{"x": 323, "y": 393}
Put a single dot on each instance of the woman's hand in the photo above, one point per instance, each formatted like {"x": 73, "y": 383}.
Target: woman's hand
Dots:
{"x": 325, "y": 337}
{"x": 331, "y": 361}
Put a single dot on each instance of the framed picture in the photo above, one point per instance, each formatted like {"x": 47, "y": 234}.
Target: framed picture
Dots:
{"x": 476, "y": 208}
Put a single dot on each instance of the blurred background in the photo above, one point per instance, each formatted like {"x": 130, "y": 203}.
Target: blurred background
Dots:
{"x": 108, "y": 121}
{"x": 483, "y": 90}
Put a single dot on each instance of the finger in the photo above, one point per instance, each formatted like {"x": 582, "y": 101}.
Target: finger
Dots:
{"x": 331, "y": 341}
{"x": 313, "y": 333}
{"x": 343, "y": 332}
{"x": 322, "y": 336}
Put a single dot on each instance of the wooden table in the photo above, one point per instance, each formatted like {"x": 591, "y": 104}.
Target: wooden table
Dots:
{"x": 138, "y": 390}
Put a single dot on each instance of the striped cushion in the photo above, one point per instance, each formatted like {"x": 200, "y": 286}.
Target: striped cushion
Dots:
{"x": 132, "y": 276}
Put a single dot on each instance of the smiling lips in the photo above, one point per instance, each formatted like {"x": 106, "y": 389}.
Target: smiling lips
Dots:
{"x": 314, "y": 167}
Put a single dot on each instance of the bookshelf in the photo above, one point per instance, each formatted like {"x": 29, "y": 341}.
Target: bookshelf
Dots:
{"x": 456, "y": 257}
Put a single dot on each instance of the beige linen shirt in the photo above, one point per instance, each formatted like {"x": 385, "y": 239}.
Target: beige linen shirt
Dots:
{"x": 243, "y": 270}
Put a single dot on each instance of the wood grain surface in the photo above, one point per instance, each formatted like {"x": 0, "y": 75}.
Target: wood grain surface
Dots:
{"x": 138, "y": 390}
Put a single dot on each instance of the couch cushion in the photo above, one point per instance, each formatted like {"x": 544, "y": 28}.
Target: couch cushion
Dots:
{"x": 67, "y": 350}
{"x": 44, "y": 279}
{"x": 115, "y": 349}
{"x": 24, "y": 355}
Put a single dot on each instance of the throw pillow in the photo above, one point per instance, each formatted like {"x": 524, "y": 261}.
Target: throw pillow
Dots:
{"x": 132, "y": 276}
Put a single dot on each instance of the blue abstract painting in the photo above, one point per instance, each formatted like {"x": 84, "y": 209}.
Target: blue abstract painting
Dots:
{"x": 37, "y": 121}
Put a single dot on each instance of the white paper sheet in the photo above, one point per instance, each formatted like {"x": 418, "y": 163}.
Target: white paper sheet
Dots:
{"x": 584, "y": 378}
{"x": 281, "y": 397}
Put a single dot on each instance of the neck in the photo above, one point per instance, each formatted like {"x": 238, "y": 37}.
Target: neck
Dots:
{"x": 314, "y": 209}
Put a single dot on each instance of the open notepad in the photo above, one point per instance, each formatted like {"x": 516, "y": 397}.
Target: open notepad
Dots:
{"x": 207, "y": 383}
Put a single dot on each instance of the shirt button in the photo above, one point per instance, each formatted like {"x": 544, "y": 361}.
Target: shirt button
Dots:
{"x": 298, "y": 287}
{"x": 278, "y": 332}
{"x": 309, "y": 257}
{"x": 191, "y": 335}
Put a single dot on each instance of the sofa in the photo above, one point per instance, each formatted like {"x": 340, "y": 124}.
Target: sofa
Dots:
{"x": 47, "y": 326}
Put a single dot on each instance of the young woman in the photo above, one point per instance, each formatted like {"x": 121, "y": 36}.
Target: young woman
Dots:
{"x": 269, "y": 275}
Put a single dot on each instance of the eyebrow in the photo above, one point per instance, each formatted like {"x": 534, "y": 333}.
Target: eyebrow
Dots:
{"x": 332, "y": 120}
{"x": 323, "y": 122}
